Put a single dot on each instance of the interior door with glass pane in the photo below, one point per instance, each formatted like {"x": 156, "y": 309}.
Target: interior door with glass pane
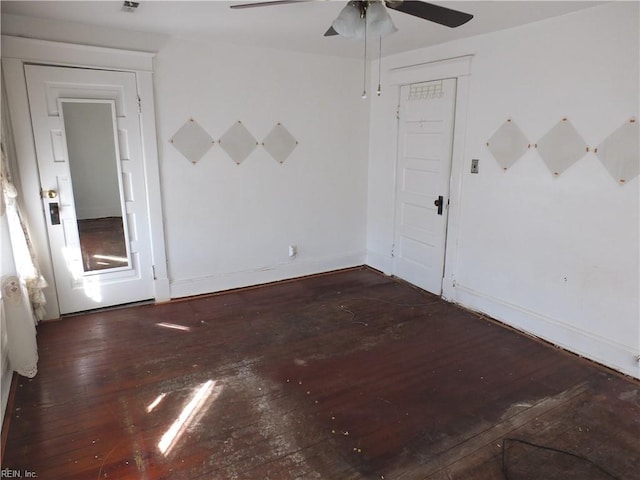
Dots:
{"x": 88, "y": 143}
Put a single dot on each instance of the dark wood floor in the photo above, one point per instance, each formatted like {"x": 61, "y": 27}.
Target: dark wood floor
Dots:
{"x": 351, "y": 375}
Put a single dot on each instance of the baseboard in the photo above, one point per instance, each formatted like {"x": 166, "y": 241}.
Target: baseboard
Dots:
{"x": 622, "y": 358}
{"x": 293, "y": 269}
{"x": 380, "y": 262}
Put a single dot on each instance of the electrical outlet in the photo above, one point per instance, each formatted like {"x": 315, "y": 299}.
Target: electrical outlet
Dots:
{"x": 293, "y": 250}
{"x": 474, "y": 165}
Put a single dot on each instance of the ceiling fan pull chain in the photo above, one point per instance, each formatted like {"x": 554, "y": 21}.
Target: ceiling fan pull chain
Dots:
{"x": 379, "y": 65}
{"x": 364, "y": 63}
{"x": 364, "y": 80}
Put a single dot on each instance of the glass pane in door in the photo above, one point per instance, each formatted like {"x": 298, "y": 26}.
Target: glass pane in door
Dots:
{"x": 94, "y": 163}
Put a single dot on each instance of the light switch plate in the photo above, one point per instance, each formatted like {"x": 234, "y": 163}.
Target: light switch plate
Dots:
{"x": 474, "y": 165}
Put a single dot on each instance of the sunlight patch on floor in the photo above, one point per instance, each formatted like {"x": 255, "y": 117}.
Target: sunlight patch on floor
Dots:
{"x": 174, "y": 326}
{"x": 203, "y": 395}
{"x": 156, "y": 402}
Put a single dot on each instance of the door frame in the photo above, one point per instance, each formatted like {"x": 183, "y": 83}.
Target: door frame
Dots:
{"x": 16, "y": 52}
{"x": 460, "y": 69}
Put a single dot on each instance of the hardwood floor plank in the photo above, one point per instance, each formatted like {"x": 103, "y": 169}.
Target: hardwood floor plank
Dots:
{"x": 350, "y": 375}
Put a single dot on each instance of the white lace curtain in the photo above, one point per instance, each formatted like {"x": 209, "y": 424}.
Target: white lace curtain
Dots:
{"x": 22, "y": 297}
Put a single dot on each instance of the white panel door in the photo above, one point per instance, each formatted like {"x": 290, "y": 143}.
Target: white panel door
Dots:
{"x": 425, "y": 138}
{"x": 88, "y": 145}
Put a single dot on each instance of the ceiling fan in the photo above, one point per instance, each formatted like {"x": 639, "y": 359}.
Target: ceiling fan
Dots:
{"x": 345, "y": 23}
{"x": 359, "y": 17}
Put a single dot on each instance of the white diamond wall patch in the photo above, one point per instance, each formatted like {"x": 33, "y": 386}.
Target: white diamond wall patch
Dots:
{"x": 561, "y": 147}
{"x": 238, "y": 142}
{"x": 619, "y": 152}
{"x": 279, "y": 143}
{"x": 508, "y": 144}
{"x": 192, "y": 141}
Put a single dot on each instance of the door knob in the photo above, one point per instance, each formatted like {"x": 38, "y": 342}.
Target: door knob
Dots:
{"x": 439, "y": 202}
{"x": 49, "y": 194}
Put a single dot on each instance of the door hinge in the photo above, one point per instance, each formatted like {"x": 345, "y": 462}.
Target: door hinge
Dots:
{"x": 398, "y": 113}
{"x": 153, "y": 269}
{"x": 139, "y": 100}
{"x": 393, "y": 250}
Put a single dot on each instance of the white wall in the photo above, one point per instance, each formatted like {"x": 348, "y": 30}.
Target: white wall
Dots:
{"x": 517, "y": 235}
{"x": 227, "y": 225}
{"x": 557, "y": 257}
{"x": 230, "y": 225}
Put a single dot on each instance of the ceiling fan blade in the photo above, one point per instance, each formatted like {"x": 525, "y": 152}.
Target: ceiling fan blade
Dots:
{"x": 268, "y": 3}
{"x": 331, "y": 32}
{"x": 429, "y": 11}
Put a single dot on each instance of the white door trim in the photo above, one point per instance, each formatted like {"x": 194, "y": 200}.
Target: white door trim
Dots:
{"x": 71, "y": 54}
{"x": 426, "y": 72}
{"x": 18, "y": 51}
{"x": 459, "y": 68}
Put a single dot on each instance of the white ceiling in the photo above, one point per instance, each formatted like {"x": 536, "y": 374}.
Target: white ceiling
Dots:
{"x": 298, "y": 27}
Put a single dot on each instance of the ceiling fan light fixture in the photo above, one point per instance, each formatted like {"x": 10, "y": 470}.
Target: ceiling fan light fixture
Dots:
{"x": 379, "y": 21}
{"x": 349, "y": 23}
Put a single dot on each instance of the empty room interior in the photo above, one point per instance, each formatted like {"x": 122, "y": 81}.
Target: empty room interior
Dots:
{"x": 320, "y": 240}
